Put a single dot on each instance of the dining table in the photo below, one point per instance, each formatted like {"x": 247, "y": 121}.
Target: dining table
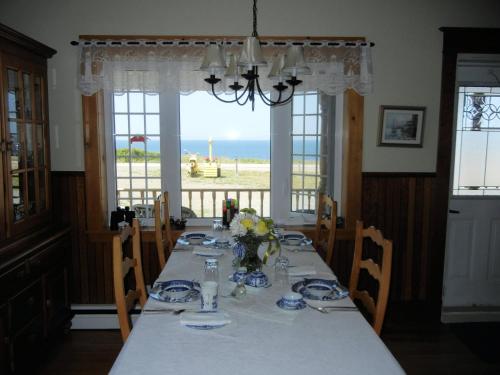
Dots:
{"x": 258, "y": 337}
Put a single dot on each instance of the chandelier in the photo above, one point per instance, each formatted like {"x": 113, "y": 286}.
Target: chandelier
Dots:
{"x": 284, "y": 69}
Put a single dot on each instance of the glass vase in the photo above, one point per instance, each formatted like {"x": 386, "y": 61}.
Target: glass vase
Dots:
{"x": 251, "y": 258}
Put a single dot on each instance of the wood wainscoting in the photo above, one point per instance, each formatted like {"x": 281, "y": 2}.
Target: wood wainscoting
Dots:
{"x": 398, "y": 204}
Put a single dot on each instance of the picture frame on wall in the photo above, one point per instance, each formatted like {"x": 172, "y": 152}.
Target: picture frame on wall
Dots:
{"x": 401, "y": 126}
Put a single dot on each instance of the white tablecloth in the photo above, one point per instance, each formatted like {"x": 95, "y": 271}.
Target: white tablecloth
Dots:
{"x": 262, "y": 338}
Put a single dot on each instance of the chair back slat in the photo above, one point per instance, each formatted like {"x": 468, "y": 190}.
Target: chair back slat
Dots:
{"x": 326, "y": 218}
{"x": 375, "y": 235}
{"x": 131, "y": 298}
{"x": 163, "y": 232}
{"x": 366, "y": 299}
{"x": 380, "y": 273}
{"x": 372, "y": 268}
{"x": 125, "y": 298}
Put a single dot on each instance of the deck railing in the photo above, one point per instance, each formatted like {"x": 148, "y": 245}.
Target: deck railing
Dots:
{"x": 208, "y": 202}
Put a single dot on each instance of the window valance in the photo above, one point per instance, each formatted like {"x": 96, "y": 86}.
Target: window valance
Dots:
{"x": 166, "y": 65}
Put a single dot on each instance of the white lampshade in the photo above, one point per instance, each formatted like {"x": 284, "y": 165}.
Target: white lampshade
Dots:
{"x": 251, "y": 54}
{"x": 276, "y": 71}
{"x": 213, "y": 61}
{"x": 232, "y": 70}
{"x": 295, "y": 62}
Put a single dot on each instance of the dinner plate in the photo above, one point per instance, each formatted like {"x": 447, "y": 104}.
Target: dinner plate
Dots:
{"x": 338, "y": 291}
{"x": 196, "y": 239}
{"x": 159, "y": 293}
{"x": 281, "y": 304}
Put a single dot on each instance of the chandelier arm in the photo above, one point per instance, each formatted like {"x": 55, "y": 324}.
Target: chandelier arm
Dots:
{"x": 270, "y": 102}
{"x": 249, "y": 89}
{"x": 263, "y": 96}
{"x": 222, "y": 100}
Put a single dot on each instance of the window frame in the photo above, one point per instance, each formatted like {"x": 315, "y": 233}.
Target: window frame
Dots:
{"x": 95, "y": 161}
{"x": 281, "y": 165}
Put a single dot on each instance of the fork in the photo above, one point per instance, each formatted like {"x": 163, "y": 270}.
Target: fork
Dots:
{"x": 159, "y": 311}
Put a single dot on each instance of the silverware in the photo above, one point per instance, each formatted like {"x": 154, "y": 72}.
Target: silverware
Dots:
{"x": 162, "y": 311}
{"x": 328, "y": 309}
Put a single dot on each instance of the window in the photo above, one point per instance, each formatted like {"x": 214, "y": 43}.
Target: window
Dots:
{"x": 225, "y": 153}
{"x": 477, "y": 142}
{"x": 273, "y": 160}
{"x": 136, "y": 146}
{"x": 309, "y": 152}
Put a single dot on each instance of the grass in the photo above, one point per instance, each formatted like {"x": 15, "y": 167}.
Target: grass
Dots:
{"x": 249, "y": 176}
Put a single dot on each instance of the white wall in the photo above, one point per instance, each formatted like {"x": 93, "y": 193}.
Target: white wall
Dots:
{"x": 407, "y": 55}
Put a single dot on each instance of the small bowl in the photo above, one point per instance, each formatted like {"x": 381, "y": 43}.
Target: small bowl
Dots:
{"x": 257, "y": 279}
{"x": 176, "y": 292}
{"x": 318, "y": 290}
{"x": 195, "y": 238}
{"x": 292, "y": 299}
{"x": 241, "y": 274}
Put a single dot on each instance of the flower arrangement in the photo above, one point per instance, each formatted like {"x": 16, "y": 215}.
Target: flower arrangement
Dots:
{"x": 250, "y": 231}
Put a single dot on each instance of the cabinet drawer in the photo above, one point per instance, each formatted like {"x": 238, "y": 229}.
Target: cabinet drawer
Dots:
{"x": 25, "y": 306}
{"x": 14, "y": 280}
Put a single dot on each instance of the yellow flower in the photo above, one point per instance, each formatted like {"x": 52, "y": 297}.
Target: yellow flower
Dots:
{"x": 247, "y": 223}
{"x": 261, "y": 228}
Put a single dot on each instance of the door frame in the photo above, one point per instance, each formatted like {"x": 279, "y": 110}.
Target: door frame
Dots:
{"x": 455, "y": 40}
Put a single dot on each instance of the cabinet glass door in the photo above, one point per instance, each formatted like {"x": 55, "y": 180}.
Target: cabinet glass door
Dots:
{"x": 26, "y": 144}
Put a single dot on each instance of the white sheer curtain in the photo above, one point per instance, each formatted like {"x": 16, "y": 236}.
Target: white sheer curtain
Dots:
{"x": 156, "y": 67}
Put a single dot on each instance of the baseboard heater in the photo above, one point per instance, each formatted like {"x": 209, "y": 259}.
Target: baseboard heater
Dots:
{"x": 469, "y": 314}
{"x": 97, "y": 317}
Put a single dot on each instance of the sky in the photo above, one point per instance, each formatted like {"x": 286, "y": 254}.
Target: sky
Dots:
{"x": 222, "y": 121}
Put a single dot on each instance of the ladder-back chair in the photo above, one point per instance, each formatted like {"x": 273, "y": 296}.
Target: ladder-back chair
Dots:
{"x": 163, "y": 232}
{"x": 381, "y": 273}
{"x": 326, "y": 226}
{"x": 126, "y": 298}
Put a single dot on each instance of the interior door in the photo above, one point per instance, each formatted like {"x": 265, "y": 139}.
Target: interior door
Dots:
{"x": 472, "y": 259}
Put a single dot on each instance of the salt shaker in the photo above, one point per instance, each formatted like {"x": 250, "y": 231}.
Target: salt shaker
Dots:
{"x": 239, "y": 290}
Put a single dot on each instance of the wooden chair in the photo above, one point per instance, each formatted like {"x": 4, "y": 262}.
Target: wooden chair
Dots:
{"x": 381, "y": 273}
{"x": 326, "y": 226}
{"x": 126, "y": 299}
{"x": 163, "y": 232}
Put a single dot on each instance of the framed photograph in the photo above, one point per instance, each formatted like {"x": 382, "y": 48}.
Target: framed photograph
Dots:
{"x": 401, "y": 126}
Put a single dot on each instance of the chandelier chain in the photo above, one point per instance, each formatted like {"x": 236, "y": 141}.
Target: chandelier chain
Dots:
{"x": 254, "y": 33}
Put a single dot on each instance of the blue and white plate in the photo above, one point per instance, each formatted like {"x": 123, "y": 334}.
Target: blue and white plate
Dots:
{"x": 337, "y": 291}
{"x": 165, "y": 291}
{"x": 222, "y": 244}
{"x": 195, "y": 239}
{"x": 299, "y": 306}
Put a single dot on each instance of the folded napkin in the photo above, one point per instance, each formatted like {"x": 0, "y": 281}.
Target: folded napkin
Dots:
{"x": 340, "y": 303}
{"x": 301, "y": 271}
{"x": 207, "y": 251}
{"x": 201, "y": 319}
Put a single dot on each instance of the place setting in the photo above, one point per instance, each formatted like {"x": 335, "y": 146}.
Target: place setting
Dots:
{"x": 202, "y": 244}
{"x": 296, "y": 242}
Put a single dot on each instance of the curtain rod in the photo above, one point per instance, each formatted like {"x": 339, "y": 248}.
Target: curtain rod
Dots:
{"x": 281, "y": 41}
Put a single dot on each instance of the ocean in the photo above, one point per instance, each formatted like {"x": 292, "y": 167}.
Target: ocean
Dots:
{"x": 241, "y": 149}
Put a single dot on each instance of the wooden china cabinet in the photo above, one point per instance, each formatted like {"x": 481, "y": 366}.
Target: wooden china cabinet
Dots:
{"x": 34, "y": 251}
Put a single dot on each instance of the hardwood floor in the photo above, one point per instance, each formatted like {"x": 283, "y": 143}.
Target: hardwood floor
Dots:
{"x": 420, "y": 348}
